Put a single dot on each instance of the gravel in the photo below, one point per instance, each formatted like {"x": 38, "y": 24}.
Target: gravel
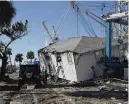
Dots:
{"x": 62, "y": 95}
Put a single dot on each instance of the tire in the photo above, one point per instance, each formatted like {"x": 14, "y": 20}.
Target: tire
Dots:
{"x": 38, "y": 82}
{"x": 20, "y": 83}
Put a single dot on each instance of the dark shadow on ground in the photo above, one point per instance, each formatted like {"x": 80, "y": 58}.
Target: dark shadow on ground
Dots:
{"x": 11, "y": 81}
{"x": 101, "y": 94}
{"x": 8, "y": 80}
{"x": 9, "y": 88}
{"x": 8, "y": 84}
{"x": 44, "y": 92}
{"x": 80, "y": 85}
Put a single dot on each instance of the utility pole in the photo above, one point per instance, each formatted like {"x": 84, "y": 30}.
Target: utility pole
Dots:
{"x": 119, "y": 29}
{"x": 119, "y": 25}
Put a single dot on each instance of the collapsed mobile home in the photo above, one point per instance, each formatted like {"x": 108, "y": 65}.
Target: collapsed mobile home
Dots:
{"x": 77, "y": 57}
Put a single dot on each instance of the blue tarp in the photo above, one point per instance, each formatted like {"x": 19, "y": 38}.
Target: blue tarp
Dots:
{"x": 37, "y": 62}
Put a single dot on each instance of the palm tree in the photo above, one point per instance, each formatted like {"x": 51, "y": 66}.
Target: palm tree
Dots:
{"x": 30, "y": 55}
{"x": 19, "y": 58}
{"x": 7, "y": 12}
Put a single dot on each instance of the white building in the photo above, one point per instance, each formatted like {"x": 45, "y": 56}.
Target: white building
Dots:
{"x": 78, "y": 55}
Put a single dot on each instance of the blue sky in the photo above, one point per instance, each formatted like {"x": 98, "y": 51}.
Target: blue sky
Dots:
{"x": 37, "y": 11}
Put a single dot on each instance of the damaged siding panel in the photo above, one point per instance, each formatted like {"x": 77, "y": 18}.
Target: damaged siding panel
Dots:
{"x": 68, "y": 66}
{"x": 86, "y": 61}
{"x": 98, "y": 54}
{"x": 99, "y": 65}
{"x": 76, "y": 58}
{"x": 42, "y": 61}
{"x": 69, "y": 58}
{"x": 53, "y": 63}
{"x": 115, "y": 51}
{"x": 44, "y": 64}
{"x": 83, "y": 69}
{"x": 53, "y": 60}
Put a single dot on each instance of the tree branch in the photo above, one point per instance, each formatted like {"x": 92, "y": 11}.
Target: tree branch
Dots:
{"x": 22, "y": 35}
{"x": 14, "y": 40}
{"x": 1, "y": 55}
{"x": 8, "y": 45}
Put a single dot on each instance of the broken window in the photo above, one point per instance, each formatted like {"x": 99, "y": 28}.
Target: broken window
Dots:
{"x": 99, "y": 56}
{"x": 69, "y": 58}
{"x": 58, "y": 58}
{"x": 76, "y": 58}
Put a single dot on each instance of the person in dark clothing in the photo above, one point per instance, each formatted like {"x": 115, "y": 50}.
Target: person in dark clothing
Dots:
{"x": 93, "y": 70}
{"x": 43, "y": 76}
{"x": 46, "y": 75}
{"x": 58, "y": 58}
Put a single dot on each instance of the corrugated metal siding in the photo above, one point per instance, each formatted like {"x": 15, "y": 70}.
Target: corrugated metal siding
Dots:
{"x": 69, "y": 68}
{"x": 83, "y": 69}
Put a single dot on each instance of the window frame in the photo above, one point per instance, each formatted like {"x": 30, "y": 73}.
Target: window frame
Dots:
{"x": 69, "y": 58}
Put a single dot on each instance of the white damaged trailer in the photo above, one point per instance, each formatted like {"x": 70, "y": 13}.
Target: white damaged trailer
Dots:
{"x": 77, "y": 56}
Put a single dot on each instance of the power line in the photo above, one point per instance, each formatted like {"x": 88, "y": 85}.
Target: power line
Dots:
{"x": 77, "y": 23}
{"x": 64, "y": 16}
{"x": 89, "y": 28}
{"x": 92, "y": 28}
{"x": 84, "y": 26}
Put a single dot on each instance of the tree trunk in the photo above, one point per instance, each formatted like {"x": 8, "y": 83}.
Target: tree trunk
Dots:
{"x": 31, "y": 61}
{"x": 19, "y": 63}
{"x": 11, "y": 63}
{"x": 3, "y": 67}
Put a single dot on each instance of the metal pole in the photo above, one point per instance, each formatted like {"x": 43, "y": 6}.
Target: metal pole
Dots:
{"x": 108, "y": 41}
{"x": 119, "y": 25}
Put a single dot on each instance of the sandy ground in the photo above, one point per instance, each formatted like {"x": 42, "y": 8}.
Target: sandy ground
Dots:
{"x": 58, "y": 96}
{"x": 63, "y": 95}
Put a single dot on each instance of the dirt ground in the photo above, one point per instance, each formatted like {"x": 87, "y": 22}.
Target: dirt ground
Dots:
{"x": 55, "y": 94}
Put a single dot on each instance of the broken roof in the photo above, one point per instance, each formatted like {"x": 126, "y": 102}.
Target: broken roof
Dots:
{"x": 78, "y": 44}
